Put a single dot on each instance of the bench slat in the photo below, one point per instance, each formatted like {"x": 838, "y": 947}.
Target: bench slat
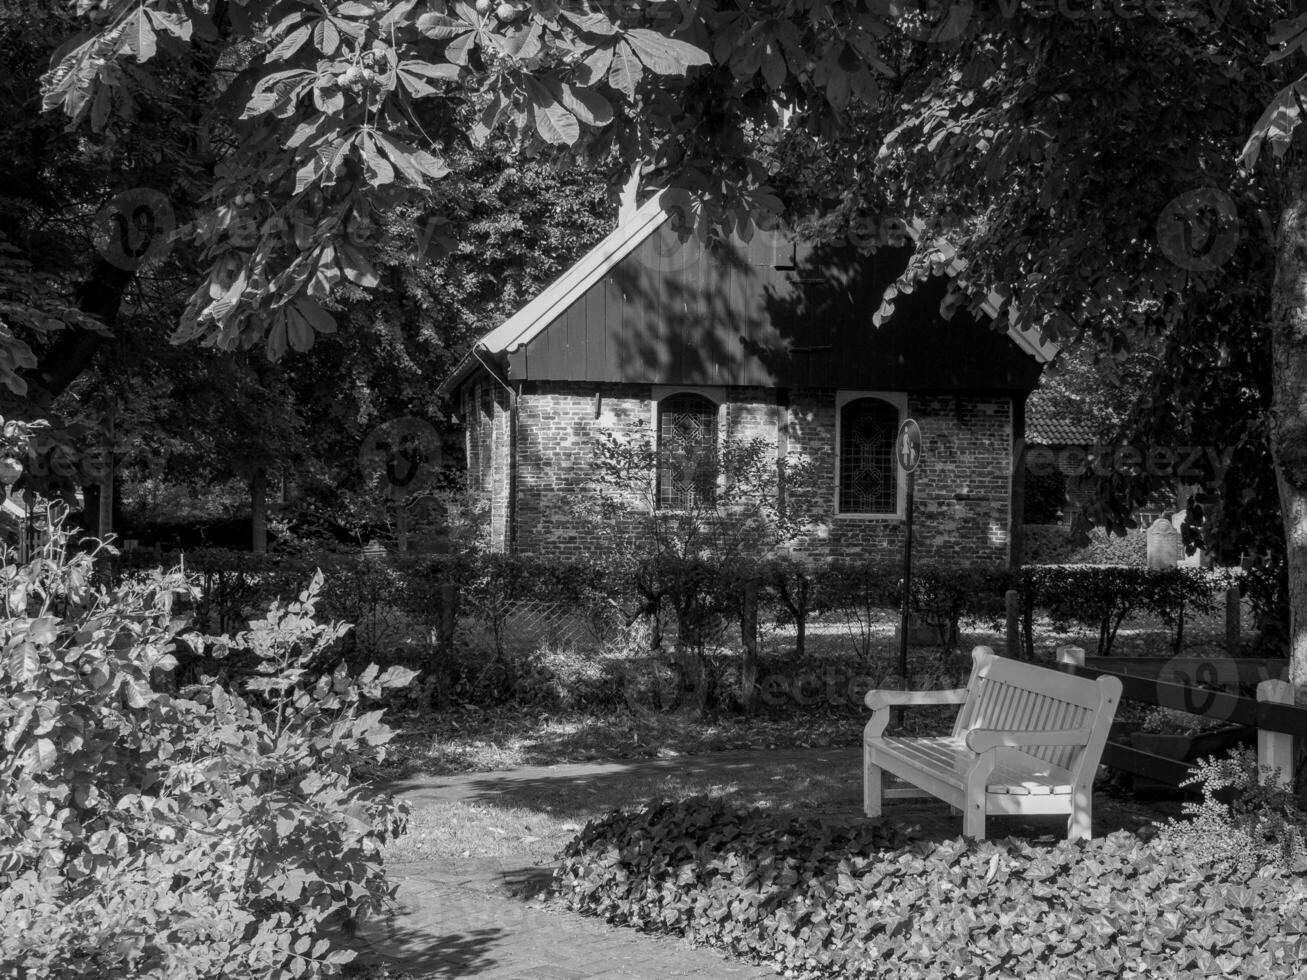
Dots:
{"x": 949, "y": 760}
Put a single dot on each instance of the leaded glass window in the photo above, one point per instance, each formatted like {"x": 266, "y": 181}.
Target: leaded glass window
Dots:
{"x": 868, "y": 477}
{"x": 687, "y": 452}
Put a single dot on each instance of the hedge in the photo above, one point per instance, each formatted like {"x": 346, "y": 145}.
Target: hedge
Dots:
{"x": 824, "y": 901}
{"x": 371, "y": 592}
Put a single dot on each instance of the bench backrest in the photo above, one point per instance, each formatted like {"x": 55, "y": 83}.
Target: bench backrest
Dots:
{"x": 1017, "y": 696}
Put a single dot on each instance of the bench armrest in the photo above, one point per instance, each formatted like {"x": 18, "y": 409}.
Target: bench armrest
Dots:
{"x": 984, "y": 739}
{"x": 886, "y": 699}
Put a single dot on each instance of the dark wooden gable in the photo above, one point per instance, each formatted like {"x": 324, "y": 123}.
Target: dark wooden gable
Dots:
{"x": 767, "y": 313}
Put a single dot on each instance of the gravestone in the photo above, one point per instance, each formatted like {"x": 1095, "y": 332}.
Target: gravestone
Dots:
{"x": 1163, "y": 544}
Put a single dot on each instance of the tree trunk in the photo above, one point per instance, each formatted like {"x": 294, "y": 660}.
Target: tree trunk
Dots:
{"x": 1289, "y": 406}
{"x": 105, "y": 520}
{"x": 749, "y": 660}
{"x": 259, "y": 510}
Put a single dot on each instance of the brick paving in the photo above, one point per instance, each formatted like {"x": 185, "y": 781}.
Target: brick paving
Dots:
{"x": 486, "y": 918}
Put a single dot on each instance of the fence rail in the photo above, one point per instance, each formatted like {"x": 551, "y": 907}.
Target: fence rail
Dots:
{"x": 1272, "y": 712}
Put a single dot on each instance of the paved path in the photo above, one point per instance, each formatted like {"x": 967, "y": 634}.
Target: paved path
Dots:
{"x": 487, "y": 919}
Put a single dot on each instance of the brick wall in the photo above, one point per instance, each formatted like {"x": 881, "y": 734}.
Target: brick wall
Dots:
{"x": 962, "y": 485}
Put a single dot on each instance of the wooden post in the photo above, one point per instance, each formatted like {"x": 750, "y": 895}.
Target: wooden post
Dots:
{"x": 1233, "y": 626}
{"x": 749, "y": 637}
{"x": 1275, "y": 749}
{"x": 259, "y": 511}
{"x": 1013, "y": 602}
{"x": 448, "y": 614}
{"x": 1071, "y": 655}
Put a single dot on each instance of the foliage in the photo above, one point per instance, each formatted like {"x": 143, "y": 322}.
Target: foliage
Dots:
{"x": 1054, "y": 544}
{"x": 943, "y": 596}
{"x": 697, "y": 560}
{"x": 837, "y": 901}
{"x": 213, "y": 831}
{"x": 1267, "y": 589}
{"x": 1171, "y": 721}
{"x": 1104, "y": 596}
{"x": 1241, "y": 824}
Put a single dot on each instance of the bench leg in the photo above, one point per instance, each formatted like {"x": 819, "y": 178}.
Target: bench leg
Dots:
{"x": 973, "y": 817}
{"x": 973, "y": 821}
{"x": 871, "y": 792}
{"x": 1080, "y": 825}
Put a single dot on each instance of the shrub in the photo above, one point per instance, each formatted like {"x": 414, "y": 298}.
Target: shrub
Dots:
{"x": 1240, "y": 825}
{"x": 818, "y": 900}
{"x": 213, "y": 832}
{"x": 943, "y": 596}
{"x": 1267, "y": 590}
{"x": 1054, "y": 544}
{"x": 1102, "y": 597}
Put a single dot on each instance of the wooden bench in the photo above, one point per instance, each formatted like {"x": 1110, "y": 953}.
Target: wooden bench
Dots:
{"x": 1027, "y": 740}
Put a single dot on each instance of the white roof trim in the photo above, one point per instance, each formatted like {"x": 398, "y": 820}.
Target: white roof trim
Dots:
{"x": 1029, "y": 341}
{"x": 531, "y": 319}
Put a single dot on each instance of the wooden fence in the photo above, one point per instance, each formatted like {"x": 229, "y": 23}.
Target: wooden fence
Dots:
{"x": 1272, "y": 712}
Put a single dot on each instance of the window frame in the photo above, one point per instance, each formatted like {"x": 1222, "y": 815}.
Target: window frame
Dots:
{"x": 899, "y": 401}
{"x": 660, "y": 393}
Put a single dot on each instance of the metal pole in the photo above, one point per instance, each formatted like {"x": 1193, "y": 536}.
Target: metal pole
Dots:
{"x": 907, "y": 589}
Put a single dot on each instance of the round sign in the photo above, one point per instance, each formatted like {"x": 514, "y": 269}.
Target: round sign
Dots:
{"x": 907, "y": 446}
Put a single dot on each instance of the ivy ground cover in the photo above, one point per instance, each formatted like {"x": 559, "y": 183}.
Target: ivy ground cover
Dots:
{"x": 860, "y": 901}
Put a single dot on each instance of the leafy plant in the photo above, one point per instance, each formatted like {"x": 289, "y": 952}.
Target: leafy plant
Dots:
{"x": 218, "y": 831}
{"x": 818, "y": 900}
{"x": 1242, "y": 824}
{"x": 1171, "y": 721}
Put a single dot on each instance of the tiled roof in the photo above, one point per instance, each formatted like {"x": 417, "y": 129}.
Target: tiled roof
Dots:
{"x": 1051, "y": 430}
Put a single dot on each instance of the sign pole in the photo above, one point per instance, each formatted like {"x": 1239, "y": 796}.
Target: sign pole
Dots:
{"x": 907, "y": 582}
{"x": 907, "y": 453}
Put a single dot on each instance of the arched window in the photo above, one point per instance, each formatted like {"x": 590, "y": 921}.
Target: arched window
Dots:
{"x": 687, "y": 452}
{"x": 868, "y": 474}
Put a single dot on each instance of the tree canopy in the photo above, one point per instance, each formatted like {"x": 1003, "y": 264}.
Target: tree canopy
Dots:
{"x": 1099, "y": 176}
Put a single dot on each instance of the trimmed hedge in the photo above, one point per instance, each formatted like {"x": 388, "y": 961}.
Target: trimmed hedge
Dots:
{"x": 396, "y": 602}
{"x": 827, "y": 901}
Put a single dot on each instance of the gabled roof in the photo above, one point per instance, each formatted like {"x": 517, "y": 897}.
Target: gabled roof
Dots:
{"x": 555, "y": 299}
{"x": 563, "y": 291}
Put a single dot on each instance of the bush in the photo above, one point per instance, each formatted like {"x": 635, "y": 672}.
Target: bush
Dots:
{"x": 1102, "y": 597}
{"x": 1240, "y": 825}
{"x": 213, "y": 832}
{"x": 852, "y": 902}
{"x": 1267, "y": 590}
{"x": 1053, "y": 544}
